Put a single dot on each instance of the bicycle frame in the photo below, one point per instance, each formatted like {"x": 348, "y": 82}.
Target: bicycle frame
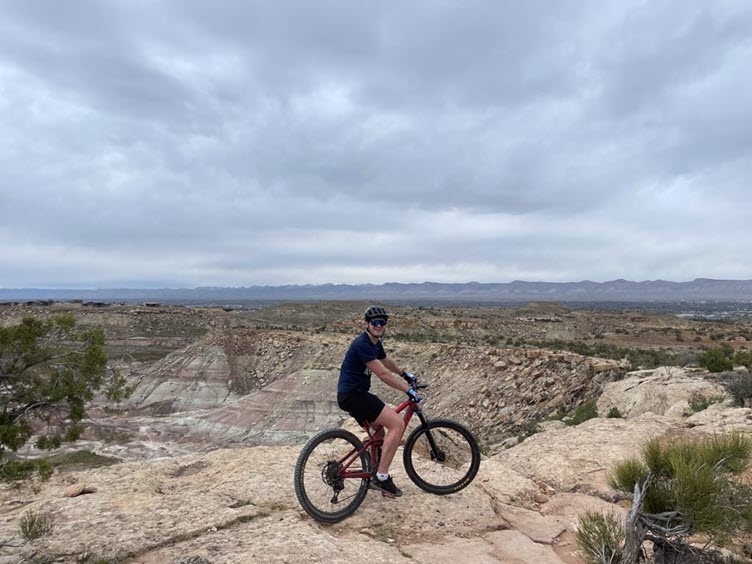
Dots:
{"x": 410, "y": 408}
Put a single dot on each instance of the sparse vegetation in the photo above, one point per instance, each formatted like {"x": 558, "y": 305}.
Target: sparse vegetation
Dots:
{"x": 600, "y": 537}
{"x": 700, "y": 402}
{"x": 34, "y": 524}
{"x": 114, "y": 436}
{"x": 689, "y": 488}
{"x": 49, "y": 370}
{"x": 586, "y": 411}
{"x": 528, "y": 429}
{"x": 637, "y": 357}
{"x": 739, "y": 386}
{"x": 614, "y": 413}
{"x": 743, "y": 358}
{"x": 21, "y": 469}
{"x": 82, "y": 459}
{"x": 87, "y": 556}
{"x": 718, "y": 359}
{"x": 384, "y": 533}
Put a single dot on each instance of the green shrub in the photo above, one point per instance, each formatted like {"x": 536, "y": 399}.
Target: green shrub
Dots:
{"x": 82, "y": 458}
{"x": 646, "y": 358}
{"x": 693, "y": 477}
{"x": 89, "y": 557}
{"x": 626, "y": 474}
{"x": 22, "y": 469}
{"x": 34, "y": 524}
{"x": 743, "y": 358}
{"x": 600, "y": 537}
{"x": 717, "y": 360}
{"x": 739, "y": 386}
{"x": 699, "y": 402}
{"x": 730, "y": 453}
{"x": 561, "y": 413}
{"x": 528, "y": 429}
{"x": 586, "y": 411}
{"x": 51, "y": 370}
{"x": 697, "y": 492}
{"x": 614, "y": 413}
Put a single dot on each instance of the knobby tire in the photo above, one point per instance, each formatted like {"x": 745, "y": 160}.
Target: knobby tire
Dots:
{"x": 312, "y": 490}
{"x": 458, "y": 448}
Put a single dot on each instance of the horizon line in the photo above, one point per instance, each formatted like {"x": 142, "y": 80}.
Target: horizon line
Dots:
{"x": 327, "y": 284}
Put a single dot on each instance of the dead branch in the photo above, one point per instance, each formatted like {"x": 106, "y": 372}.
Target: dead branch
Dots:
{"x": 635, "y": 529}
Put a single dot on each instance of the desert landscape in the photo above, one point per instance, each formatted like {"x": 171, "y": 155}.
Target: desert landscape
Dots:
{"x": 196, "y": 465}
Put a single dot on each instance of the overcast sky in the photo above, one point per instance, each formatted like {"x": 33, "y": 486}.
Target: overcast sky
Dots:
{"x": 186, "y": 143}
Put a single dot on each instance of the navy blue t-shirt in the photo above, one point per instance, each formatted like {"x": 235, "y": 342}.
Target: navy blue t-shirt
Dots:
{"x": 355, "y": 376}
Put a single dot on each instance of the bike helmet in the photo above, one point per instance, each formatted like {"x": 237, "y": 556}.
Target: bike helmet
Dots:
{"x": 375, "y": 312}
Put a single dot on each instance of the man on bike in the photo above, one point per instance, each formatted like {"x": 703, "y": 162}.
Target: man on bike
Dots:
{"x": 366, "y": 356}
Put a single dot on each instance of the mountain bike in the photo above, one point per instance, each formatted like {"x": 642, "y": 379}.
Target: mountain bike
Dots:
{"x": 335, "y": 468}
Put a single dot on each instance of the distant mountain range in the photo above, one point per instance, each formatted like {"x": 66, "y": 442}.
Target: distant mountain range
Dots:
{"x": 517, "y": 291}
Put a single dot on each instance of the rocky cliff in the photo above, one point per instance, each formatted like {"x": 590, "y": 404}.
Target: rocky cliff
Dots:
{"x": 263, "y": 387}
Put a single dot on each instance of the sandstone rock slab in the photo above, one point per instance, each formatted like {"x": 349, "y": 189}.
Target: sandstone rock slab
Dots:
{"x": 581, "y": 456}
{"x": 508, "y": 547}
{"x": 656, "y": 391}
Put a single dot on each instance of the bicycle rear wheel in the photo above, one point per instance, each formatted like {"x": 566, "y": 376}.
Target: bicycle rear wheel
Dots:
{"x": 441, "y": 457}
{"x": 321, "y": 491}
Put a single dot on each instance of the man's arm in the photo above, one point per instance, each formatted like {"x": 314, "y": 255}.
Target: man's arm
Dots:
{"x": 391, "y": 365}
{"x": 382, "y": 369}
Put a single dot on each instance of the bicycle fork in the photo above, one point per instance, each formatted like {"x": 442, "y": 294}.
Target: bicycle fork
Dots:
{"x": 436, "y": 453}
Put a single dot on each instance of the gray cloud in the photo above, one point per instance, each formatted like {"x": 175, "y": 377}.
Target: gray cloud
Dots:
{"x": 185, "y": 143}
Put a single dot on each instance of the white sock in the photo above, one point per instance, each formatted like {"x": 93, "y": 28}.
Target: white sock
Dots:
{"x": 381, "y": 477}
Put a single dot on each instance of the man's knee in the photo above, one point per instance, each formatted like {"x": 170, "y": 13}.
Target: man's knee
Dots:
{"x": 398, "y": 425}
{"x": 391, "y": 421}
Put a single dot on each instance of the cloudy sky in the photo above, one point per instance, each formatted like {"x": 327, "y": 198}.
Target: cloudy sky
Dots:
{"x": 191, "y": 143}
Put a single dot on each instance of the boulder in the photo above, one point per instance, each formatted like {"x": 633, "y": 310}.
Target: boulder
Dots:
{"x": 719, "y": 418}
{"x": 75, "y": 490}
{"x": 580, "y": 456}
{"x": 663, "y": 391}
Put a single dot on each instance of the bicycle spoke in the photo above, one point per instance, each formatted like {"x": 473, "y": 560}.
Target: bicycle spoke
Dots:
{"x": 320, "y": 480}
{"x": 446, "y": 466}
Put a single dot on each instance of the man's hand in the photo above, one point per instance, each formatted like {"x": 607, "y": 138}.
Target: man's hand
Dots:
{"x": 410, "y": 378}
{"x": 414, "y": 395}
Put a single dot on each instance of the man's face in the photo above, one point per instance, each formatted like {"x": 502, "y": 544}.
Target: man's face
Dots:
{"x": 377, "y": 327}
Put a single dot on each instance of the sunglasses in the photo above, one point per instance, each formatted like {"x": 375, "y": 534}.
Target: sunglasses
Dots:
{"x": 378, "y": 322}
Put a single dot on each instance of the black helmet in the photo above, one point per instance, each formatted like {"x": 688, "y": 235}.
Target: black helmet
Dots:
{"x": 375, "y": 312}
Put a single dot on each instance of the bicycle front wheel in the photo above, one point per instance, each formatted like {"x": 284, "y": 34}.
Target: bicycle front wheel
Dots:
{"x": 441, "y": 457}
{"x": 321, "y": 491}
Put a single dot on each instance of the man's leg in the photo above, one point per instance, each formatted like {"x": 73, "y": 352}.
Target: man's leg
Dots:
{"x": 394, "y": 424}
{"x": 377, "y": 433}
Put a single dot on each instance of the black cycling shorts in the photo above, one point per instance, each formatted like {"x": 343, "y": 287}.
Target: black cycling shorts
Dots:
{"x": 363, "y": 406}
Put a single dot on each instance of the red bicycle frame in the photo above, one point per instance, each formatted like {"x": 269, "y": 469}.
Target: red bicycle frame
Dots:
{"x": 372, "y": 445}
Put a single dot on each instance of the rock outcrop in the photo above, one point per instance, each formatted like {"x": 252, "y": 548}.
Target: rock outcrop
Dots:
{"x": 196, "y": 377}
{"x": 663, "y": 391}
{"x": 274, "y": 387}
{"x": 238, "y": 506}
{"x": 286, "y": 411}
